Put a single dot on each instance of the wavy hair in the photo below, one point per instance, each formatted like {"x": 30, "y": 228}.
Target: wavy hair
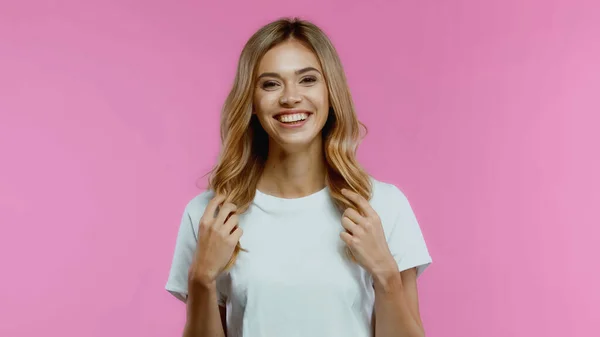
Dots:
{"x": 244, "y": 143}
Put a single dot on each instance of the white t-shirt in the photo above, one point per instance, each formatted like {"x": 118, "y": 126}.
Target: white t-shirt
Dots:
{"x": 295, "y": 279}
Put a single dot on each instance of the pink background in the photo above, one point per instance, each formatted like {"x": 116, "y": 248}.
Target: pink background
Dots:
{"x": 484, "y": 112}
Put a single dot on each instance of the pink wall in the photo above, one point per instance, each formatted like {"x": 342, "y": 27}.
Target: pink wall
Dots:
{"x": 484, "y": 112}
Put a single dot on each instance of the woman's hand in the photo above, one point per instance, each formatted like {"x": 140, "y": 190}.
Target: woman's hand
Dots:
{"x": 218, "y": 235}
{"x": 365, "y": 237}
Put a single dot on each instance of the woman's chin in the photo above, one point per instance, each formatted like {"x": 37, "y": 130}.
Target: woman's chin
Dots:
{"x": 298, "y": 142}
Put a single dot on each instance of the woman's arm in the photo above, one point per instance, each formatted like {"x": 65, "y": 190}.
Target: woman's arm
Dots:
{"x": 205, "y": 318}
{"x": 396, "y": 300}
{"x": 397, "y": 304}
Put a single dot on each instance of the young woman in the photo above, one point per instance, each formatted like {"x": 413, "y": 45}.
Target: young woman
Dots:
{"x": 293, "y": 237}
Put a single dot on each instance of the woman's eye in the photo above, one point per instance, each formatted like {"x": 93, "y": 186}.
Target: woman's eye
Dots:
{"x": 269, "y": 84}
{"x": 309, "y": 79}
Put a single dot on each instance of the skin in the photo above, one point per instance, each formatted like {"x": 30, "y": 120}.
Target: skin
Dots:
{"x": 290, "y": 77}
{"x": 295, "y": 165}
{"x": 216, "y": 242}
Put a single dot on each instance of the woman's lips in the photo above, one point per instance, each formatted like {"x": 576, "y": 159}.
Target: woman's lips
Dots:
{"x": 293, "y": 120}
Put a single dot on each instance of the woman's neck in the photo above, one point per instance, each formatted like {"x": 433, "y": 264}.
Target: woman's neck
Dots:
{"x": 293, "y": 174}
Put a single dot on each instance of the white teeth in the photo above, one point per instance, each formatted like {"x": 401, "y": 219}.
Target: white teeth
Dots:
{"x": 292, "y": 118}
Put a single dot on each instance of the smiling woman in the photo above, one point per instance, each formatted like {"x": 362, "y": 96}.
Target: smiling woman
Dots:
{"x": 293, "y": 237}
{"x": 290, "y": 74}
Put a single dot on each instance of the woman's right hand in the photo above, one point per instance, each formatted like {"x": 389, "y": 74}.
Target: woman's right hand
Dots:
{"x": 216, "y": 242}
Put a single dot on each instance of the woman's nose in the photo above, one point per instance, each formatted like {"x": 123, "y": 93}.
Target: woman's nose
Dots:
{"x": 290, "y": 96}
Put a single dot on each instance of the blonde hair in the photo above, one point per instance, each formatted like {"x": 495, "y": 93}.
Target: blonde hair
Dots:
{"x": 244, "y": 143}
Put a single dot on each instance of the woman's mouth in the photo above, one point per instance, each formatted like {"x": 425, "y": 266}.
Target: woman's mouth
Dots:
{"x": 292, "y": 119}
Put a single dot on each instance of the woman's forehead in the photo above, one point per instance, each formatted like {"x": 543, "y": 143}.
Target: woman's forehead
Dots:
{"x": 287, "y": 58}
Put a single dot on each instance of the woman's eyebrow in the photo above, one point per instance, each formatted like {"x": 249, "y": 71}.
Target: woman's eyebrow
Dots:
{"x": 298, "y": 72}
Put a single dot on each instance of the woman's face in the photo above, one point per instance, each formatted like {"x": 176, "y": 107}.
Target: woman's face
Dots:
{"x": 291, "y": 99}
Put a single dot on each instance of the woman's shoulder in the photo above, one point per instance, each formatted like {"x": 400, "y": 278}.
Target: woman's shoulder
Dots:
{"x": 382, "y": 190}
{"x": 387, "y": 197}
{"x": 196, "y": 206}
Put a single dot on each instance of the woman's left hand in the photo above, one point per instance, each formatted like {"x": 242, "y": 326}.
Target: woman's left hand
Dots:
{"x": 365, "y": 237}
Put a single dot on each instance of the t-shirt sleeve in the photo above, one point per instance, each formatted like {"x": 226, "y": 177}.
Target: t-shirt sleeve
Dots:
{"x": 406, "y": 241}
{"x": 185, "y": 249}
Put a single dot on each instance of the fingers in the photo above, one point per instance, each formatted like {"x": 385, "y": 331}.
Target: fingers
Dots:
{"x": 353, "y": 215}
{"x": 236, "y": 235}
{"x": 211, "y": 208}
{"x": 362, "y": 203}
{"x": 347, "y": 238}
{"x": 230, "y": 224}
{"x": 351, "y": 226}
{"x": 224, "y": 212}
